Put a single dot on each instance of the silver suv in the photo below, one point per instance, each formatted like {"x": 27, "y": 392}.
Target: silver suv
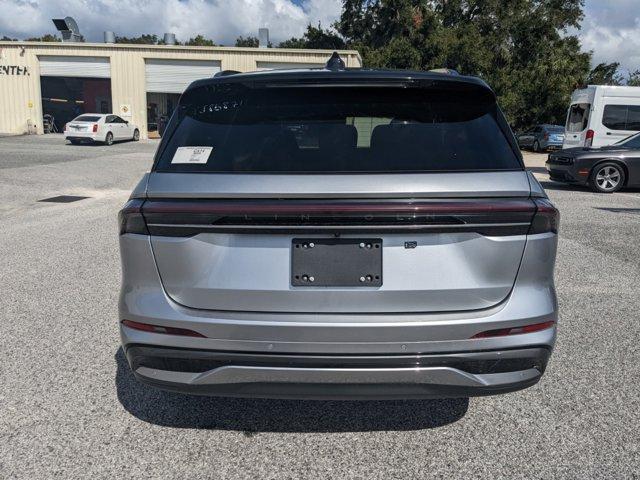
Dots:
{"x": 338, "y": 233}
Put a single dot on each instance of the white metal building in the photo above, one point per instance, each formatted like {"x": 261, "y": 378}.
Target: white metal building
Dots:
{"x": 141, "y": 83}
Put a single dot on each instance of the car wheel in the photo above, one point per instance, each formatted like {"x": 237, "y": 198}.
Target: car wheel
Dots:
{"x": 109, "y": 139}
{"x": 536, "y": 146}
{"x": 607, "y": 177}
{"x": 136, "y": 135}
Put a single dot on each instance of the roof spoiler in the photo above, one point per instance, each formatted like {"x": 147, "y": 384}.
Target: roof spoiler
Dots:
{"x": 225, "y": 73}
{"x": 446, "y": 71}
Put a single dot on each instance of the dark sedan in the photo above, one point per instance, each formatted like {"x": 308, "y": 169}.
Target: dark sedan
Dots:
{"x": 603, "y": 169}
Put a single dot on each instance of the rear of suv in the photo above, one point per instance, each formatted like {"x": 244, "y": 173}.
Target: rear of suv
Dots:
{"x": 338, "y": 233}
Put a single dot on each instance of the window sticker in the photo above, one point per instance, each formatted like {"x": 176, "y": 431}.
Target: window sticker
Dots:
{"x": 195, "y": 155}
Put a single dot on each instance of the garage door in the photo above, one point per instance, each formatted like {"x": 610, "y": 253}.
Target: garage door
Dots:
{"x": 173, "y": 76}
{"x": 67, "y": 66}
{"x": 270, "y": 65}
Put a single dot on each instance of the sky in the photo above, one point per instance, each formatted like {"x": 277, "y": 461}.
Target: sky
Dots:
{"x": 611, "y": 28}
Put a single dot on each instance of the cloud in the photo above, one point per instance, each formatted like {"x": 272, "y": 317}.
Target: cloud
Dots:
{"x": 221, "y": 20}
{"x": 611, "y": 30}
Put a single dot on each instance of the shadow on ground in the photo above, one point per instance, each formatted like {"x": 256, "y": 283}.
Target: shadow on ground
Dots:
{"x": 259, "y": 415}
{"x": 549, "y": 185}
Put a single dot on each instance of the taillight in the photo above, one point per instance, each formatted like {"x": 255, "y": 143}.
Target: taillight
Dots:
{"x": 588, "y": 139}
{"x": 95, "y": 127}
{"x": 145, "y": 327}
{"x": 546, "y": 136}
{"x": 65, "y": 126}
{"x": 492, "y": 217}
{"x": 503, "y": 332}
{"x": 546, "y": 219}
{"x": 130, "y": 218}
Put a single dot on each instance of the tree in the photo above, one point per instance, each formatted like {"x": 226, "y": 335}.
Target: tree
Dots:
{"x": 316, "y": 37}
{"x": 144, "y": 39}
{"x": 200, "y": 41}
{"x": 47, "y": 37}
{"x": 522, "y": 48}
{"x": 8, "y": 39}
{"x": 247, "y": 42}
{"x": 634, "y": 79}
{"x": 605, "y": 74}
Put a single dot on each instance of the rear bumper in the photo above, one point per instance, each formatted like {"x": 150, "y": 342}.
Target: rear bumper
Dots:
{"x": 83, "y": 136}
{"x": 431, "y": 341}
{"x": 553, "y": 146}
{"x": 337, "y": 377}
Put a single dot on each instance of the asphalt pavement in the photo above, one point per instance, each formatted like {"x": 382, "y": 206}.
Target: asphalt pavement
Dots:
{"x": 70, "y": 408}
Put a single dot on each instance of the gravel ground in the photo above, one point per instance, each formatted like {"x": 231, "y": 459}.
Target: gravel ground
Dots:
{"x": 69, "y": 407}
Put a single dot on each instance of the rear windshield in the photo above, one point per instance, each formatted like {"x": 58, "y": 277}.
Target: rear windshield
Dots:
{"x": 578, "y": 117}
{"x": 86, "y": 118}
{"x": 555, "y": 129}
{"x": 286, "y": 129}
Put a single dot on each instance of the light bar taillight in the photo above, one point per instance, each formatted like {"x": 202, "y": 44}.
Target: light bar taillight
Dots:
{"x": 130, "y": 218}
{"x": 145, "y": 327}
{"x": 492, "y": 217}
{"x": 175, "y": 218}
{"x": 503, "y": 332}
{"x": 546, "y": 218}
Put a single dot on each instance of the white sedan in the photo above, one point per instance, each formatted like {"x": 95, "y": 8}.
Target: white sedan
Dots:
{"x": 100, "y": 127}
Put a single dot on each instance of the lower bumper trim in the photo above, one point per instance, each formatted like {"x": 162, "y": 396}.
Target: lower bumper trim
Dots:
{"x": 278, "y": 376}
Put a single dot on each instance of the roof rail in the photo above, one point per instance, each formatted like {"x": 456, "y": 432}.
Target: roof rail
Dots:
{"x": 225, "y": 73}
{"x": 447, "y": 71}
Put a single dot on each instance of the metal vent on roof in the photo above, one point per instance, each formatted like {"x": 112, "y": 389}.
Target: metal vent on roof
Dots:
{"x": 68, "y": 28}
{"x": 263, "y": 37}
{"x": 109, "y": 37}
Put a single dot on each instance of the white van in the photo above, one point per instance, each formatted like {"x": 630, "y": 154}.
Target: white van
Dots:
{"x": 601, "y": 115}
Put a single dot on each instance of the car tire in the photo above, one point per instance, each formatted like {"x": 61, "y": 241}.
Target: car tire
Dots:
{"x": 607, "y": 177}
{"x": 536, "y": 146}
{"x": 136, "y": 135}
{"x": 108, "y": 140}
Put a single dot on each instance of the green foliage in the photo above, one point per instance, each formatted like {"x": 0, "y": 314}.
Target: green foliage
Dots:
{"x": 144, "y": 39}
{"x": 47, "y": 37}
{"x": 634, "y": 79}
{"x": 200, "y": 41}
{"x": 316, "y": 37}
{"x": 247, "y": 42}
{"x": 8, "y": 39}
{"x": 520, "y": 47}
{"x": 605, "y": 74}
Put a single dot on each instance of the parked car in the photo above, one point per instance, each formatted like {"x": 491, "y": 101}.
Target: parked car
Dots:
{"x": 602, "y": 115}
{"x": 100, "y": 127}
{"x": 542, "y": 138}
{"x": 604, "y": 169}
{"x": 338, "y": 233}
